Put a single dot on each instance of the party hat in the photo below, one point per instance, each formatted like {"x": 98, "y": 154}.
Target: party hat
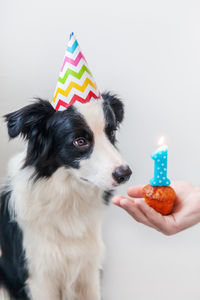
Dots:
{"x": 75, "y": 82}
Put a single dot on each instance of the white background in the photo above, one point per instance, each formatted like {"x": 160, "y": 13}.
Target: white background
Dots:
{"x": 149, "y": 53}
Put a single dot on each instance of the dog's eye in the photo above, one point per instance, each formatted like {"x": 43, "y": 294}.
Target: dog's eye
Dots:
{"x": 80, "y": 142}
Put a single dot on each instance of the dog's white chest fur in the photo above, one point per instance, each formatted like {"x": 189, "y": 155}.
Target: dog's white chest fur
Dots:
{"x": 61, "y": 222}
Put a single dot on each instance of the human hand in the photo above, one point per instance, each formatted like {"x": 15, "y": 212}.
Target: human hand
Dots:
{"x": 186, "y": 211}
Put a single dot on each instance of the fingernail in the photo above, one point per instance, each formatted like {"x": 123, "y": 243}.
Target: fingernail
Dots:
{"x": 116, "y": 200}
{"x": 125, "y": 202}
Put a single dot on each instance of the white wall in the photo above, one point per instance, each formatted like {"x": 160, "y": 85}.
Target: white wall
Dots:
{"x": 149, "y": 53}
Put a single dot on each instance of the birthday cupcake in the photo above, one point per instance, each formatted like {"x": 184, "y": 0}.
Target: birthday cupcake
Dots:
{"x": 158, "y": 194}
{"x": 161, "y": 198}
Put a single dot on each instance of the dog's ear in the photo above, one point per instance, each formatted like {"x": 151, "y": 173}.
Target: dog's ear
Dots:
{"x": 29, "y": 120}
{"x": 116, "y": 105}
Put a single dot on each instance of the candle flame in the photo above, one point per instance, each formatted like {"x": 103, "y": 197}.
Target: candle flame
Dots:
{"x": 161, "y": 141}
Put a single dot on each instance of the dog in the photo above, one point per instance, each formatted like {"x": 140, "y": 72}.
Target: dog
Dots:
{"x": 52, "y": 205}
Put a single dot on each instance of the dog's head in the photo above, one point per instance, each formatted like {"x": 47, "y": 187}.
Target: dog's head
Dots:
{"x": 81, "y": 139}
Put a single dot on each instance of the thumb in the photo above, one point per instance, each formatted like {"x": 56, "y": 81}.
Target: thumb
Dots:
{"x": 135, "y": 191}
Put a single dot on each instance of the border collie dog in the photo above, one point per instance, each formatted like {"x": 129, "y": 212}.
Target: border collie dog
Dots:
{"x": 51, "y": 207}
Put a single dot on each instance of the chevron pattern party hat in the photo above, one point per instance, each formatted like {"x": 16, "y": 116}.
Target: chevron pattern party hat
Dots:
{"x": 75, "y": 82}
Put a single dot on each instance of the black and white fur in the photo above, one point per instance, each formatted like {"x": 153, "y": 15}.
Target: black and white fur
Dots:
{"x": 51, "y": 208}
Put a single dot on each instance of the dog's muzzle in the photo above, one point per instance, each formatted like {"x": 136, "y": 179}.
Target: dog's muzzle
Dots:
{"x": 122, "y": 174}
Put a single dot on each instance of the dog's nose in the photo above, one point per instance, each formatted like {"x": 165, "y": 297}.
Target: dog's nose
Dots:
{"x": 122, "y": 174}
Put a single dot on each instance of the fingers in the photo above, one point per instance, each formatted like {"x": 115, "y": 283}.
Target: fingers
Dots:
{"x": 135, "y": 191}
{"x": 117, "y": 200}
{"x": 132, "y": 207}
{"x": 144, "y": 214}
{"x": 163, "y": 224}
